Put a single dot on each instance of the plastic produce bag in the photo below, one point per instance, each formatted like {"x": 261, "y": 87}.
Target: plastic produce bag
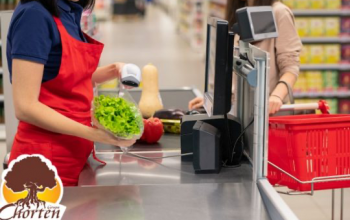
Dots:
{"x": 115, "y": 111}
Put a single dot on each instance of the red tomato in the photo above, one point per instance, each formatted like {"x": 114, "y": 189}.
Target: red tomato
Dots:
{"x": 153, "y": 130}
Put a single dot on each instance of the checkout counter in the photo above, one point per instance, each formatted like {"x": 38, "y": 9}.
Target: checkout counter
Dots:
{"x": 166, "y": 187}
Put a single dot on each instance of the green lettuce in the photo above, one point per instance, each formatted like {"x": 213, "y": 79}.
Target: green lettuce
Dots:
{"x": 119, "y": 116}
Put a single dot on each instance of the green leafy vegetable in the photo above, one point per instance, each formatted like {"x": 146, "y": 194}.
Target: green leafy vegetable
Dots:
{"x": 118, "y": 116}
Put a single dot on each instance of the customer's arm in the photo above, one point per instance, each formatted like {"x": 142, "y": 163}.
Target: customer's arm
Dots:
{"x": 288, "y": 46}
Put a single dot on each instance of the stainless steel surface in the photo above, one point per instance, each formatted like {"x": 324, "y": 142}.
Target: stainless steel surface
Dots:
{"x": 274, "y": 204}
{"x": 164, "y": 188}
{"x": 210, "y": 201}
{"x": 11, "y": 121}
{"x": 125, "y": 169}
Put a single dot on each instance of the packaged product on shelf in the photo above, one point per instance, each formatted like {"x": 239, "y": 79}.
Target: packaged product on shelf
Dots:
{"x": 332, "y": 53}
{"x": 316, "y": 27}
{"x": 344, "y": 81}
{"x": 345, "y": 26}
{"x": 301, "y": 83}
{"x": 301, "y": 4}
{"x": 344, "y": 106}
{"x": 316, "y": 54}
{"x": 333, "y": 105}
{"x": 346, "y": 4}
{"x": 345, "y": 53}
{"x": 333, "y": 4}
{"x": 289, "y": 3}
{"x": 332, "y": 26}
{"x": 305, "y": 55}
{"x": 314, "y": 81}
{"x": 302, "y": 25}
{"x": 317, "y": 4}
{"x": 330, "y": 80}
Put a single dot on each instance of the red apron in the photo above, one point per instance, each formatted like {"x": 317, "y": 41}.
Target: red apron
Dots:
{"x": 70, "y": 94}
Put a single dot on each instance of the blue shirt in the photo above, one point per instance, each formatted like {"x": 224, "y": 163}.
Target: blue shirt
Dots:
{"x": 33, "y": 35}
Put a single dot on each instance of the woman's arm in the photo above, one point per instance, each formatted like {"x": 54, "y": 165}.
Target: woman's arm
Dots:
{"x": 26, "y": 84}
{"x": 106, "y": 73}
{"x": 288, "y": 46}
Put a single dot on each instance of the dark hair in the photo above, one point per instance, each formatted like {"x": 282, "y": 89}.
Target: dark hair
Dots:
{"x": 51, "y": 5}
{"x": 233, "y": 5}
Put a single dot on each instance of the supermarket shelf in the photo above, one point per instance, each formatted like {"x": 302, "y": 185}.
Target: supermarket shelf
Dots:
{"x": 330, "y": 94}
{"x": 216, "y": 14}
{"x": 221, "y": 2}
{"x": 332, "y": 40}
{"x": 321, "y": 12}
{"x": 342, "y": 67}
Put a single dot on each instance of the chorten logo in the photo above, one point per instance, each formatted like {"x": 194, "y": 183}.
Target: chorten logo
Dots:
{"x": 31, "y": 189}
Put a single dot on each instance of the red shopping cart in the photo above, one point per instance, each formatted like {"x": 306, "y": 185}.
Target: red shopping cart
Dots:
{"x": 310, "y": 152}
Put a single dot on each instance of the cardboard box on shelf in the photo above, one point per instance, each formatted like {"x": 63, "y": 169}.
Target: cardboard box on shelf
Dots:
{"x": 316, "y": 54}
{"x": 344, "y": 106}
{"x": 305, "y": 55}
{"x": 317, "y": 28}
{"x": 301, "y": 4}
{"x": 302, "y": 25}
{"x": 344, "y": 80}
{"x": 333, "y": 4}
{"x": 332, "y": 26}
{"x": 289, "y": 3}
{"x": 345, "y": 25}
{"x": 314, "y": 81}
{"x": 317, "y": 4}
{"x": 345, "y": 52}
{"x": 332, "y": 53}
{"x": 346, "y": 4}
{"x": 333, "y": 105}
{"x": 301, "y": 83}
{"x": 330, "y": 80}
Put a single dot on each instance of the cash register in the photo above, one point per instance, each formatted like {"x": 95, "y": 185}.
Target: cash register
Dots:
{"x": 215, "y": 138}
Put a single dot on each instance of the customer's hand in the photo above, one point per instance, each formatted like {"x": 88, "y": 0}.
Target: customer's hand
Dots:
{"x": 118, "y": 69}
{"x": 196, "y": 103}
{"x": 275, "y": 104}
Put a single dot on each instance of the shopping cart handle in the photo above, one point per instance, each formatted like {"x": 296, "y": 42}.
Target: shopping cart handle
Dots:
{"x": 321, "y": 105}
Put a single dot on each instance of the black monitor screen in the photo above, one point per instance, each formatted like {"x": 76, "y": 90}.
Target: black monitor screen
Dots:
{"x": 263, "y": 22}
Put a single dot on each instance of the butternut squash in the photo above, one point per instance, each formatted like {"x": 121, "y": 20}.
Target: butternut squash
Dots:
{"x": 150, "y": 101}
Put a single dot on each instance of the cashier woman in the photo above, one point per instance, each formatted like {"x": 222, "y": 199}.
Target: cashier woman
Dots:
{"x": 284, "y": 51}
{"x": 53, "y": 68}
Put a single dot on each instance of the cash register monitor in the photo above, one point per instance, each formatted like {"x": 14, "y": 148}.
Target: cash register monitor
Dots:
{"x": 255, "y": 23}
{"x": 218, "y": 81}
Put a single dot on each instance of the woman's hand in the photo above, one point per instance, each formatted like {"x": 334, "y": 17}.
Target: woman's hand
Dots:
{"x": 105, "y": 73}
{"x": 101, "y": 136}
{"x": 275, "y": 103}
{"x": 118, "y": 69}
{"x": 196, "y": 103}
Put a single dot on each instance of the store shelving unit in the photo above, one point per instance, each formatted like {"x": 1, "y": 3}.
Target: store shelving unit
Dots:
{"x": 318, "y": 13}
{"x": 217, "y": 8}
{"x": 191, "y": 22}
{"x": 339, "y": 92}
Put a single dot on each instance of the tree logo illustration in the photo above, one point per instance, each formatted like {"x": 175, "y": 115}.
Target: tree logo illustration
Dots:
{"x": 31, "y": 189}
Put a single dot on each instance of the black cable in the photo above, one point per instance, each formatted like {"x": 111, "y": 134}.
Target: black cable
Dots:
{"x": 239, "y": 137}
